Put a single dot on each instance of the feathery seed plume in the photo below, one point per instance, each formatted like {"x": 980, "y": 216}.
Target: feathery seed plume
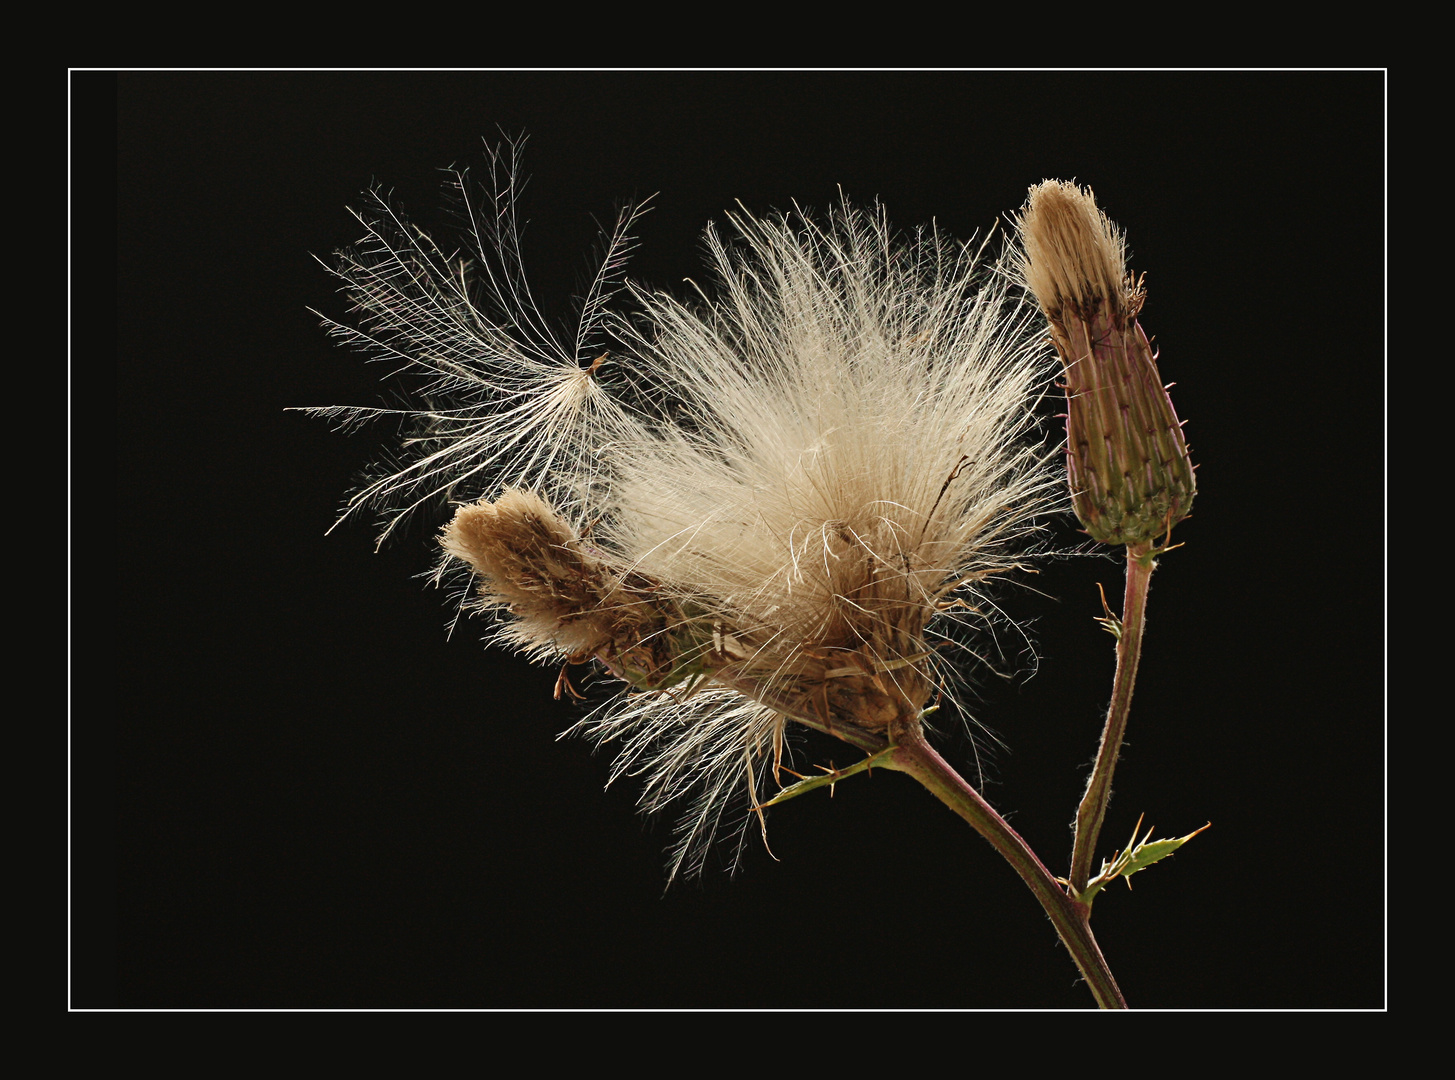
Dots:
{"x": 771, "y": 503}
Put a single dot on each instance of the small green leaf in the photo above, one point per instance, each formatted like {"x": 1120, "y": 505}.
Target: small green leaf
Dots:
{"x": 1150, "y": 851}
{"x": 1137, "y": 856}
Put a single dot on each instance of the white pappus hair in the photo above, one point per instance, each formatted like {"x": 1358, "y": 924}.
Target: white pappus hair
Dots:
{"x": 768, "y": 503}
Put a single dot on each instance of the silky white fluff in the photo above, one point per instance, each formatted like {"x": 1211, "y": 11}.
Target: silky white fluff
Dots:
{"x": 821, "y": 455}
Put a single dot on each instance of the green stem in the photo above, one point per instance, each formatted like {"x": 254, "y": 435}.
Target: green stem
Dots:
{"x": 915, "y": 756}
{"x": 828, "y": 780}
{"x": 1092, "y": 811}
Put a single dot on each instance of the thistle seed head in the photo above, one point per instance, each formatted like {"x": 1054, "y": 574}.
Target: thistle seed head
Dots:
{"x": 771, "y": 502}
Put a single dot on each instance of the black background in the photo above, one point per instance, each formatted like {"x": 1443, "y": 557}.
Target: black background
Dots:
{"x": 297, "y": 791}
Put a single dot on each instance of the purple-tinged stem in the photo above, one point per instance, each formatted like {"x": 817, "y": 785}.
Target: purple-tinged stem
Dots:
{"x": 1092, "y": 811}
{"x": 915, "y": 756}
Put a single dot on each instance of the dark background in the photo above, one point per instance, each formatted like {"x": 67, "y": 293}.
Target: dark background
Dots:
{"x": 294, "y": 790}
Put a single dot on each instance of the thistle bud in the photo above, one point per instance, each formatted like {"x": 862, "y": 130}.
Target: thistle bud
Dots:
{"x": 531, "y": 563}
{"x": 1126, "y": 458}
{"x": 565, "y": 602}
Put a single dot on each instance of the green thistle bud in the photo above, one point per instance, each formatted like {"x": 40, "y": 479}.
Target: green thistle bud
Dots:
{"x": 1126, "y": 458}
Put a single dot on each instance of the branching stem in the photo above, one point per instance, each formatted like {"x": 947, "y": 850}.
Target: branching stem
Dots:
{"x": 915, "y": 756}
{"x": 910, "y": 753}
